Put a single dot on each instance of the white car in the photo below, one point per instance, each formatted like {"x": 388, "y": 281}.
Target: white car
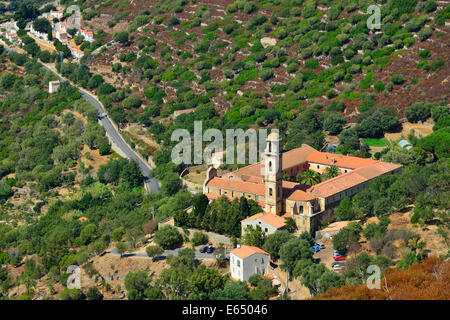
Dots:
{"x": 338, "y": 267}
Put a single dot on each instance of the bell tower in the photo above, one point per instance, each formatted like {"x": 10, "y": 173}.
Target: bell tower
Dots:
{"x": 273, "y": 175}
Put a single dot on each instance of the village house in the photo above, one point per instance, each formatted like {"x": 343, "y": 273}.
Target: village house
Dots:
{"x": 263, "y": 182}
{"x": 12, "y": 37}
{"x": 76, "y": 52}
{"x": 246, "y": 261}
{"x": 53, "y": 86}
{"x": 61, "y": 36}
{"x": 38, "y": 34}
{"x": 268, "y": 222}
{"x": 58, "y": 14}
{"x": 87, "y": 34}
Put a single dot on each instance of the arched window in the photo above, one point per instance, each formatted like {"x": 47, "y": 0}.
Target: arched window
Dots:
{"x": 270, "y": 146}
{"x": 270, "y": 166}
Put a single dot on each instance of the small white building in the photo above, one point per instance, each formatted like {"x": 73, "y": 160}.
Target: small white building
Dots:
{"x": 53, "y": 86}
{"x": 58, "y": 14}
{"x": 12, "y": 36}
{"x": 76, "y": 53}
{"x": 246, "y": 261}
{"x": 38, "y": 34}
{"x": 269, "y": 222}
{"x": 61, "y": 35}
{"x": 62, "y": 26}
{"x": 87, "y": 34}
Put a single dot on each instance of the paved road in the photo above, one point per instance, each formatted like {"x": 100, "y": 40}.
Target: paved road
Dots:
{"x": 151, "y": 184}
{"x": 198, "y": 254}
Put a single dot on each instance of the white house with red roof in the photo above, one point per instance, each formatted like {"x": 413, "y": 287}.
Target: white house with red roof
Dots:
{"x": 58, "y": 14}
{"x": 268, "y": 222}
{"x": 245, "y": 261}
{"x": 87, "y": 34}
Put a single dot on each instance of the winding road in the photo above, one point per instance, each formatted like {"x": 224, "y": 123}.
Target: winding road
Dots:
{"x": 151, "y": 184}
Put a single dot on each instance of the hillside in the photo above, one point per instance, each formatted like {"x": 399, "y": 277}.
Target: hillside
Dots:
{"x": 287, "y": 53}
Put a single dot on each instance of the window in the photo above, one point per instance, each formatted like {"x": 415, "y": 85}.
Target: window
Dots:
{"x": 270, "y": 147}
{"x": 318, "y": 166}
{"x": 262, "y": 260}
{"x": 270, "y": 166}
{"x": 238, "y": 262}
{"x": 265, "y": 230}
{"x": 270, "y": 191}
{"x": 301, "y": 209}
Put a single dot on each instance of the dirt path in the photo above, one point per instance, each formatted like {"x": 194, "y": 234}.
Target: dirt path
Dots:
{"x": 297, "y": 290}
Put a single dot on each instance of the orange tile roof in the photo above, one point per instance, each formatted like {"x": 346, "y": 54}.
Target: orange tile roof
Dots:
{"x": 296, "y": 156}
{"x": 246, "y": 251}
{"x": 339, "y": 160}
{"x": 350, "y": 179}
{"x": 291, "y": 190}
{"x": 336, "y": 226}
{"x": 237, "y": 185}
{"x": 269, "y": 218}
{"x": 288, "y": 159}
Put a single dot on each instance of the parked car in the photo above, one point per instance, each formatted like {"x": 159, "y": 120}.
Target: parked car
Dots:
{"x": 203, "y": 249}
{"x": 210, "y": 249}
{"x": 339, "y": 258}
{"x": 320, "y": 245}
{"x": 337, "y": 253}
{"x": 336, "y": 263}
{"x": 158, "y": 258}
{"x": 338, "y": 267}
{"x": 315, "y": 248}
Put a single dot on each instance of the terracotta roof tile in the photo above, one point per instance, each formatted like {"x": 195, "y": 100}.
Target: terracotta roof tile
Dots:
{"x": 246, "y": 251}
{"x": 339, "y": 160}
{"x": 269, "y": 218}
{"x": 350, "y": 179}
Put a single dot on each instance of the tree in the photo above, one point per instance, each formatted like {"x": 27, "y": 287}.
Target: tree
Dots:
{"x": 121, "y": 37}
{"x": 290, "y": 224}
{"x": 170, "y": 184}
{"x": 308, "y": 177}
{"x": 294, "y": 250}
{"x": 118, "y": 233}
{"x": 71, "y": 294}
{"x": 332, "y": 122}
{"x": 331, "y": 172}
{"x": 232, "y": 291}
{"x": 94, "y": 294}
{"x": 345, "y": 210}
{"x": 153, "y": 251}
{"x": 5, "y": 191}
{"x": 121, "y": 247}
{"x": 168, "y": 237}
{"x": 349, "y": 234}
{"x": 274, "y": 242}
{"x": 136, "y": 284}
{"x": 204, "y": 281}
{"x": 253, "y": 236}
{"x": 42, "y": 25}
{"x": 199, "y": 238}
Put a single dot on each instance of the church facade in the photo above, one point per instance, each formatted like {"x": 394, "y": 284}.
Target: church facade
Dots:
{"x": 263, "y": 181}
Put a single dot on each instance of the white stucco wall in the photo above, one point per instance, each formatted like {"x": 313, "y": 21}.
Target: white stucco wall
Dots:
{"x": 258, "y": 222}
{"x": 256, "y": 263}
